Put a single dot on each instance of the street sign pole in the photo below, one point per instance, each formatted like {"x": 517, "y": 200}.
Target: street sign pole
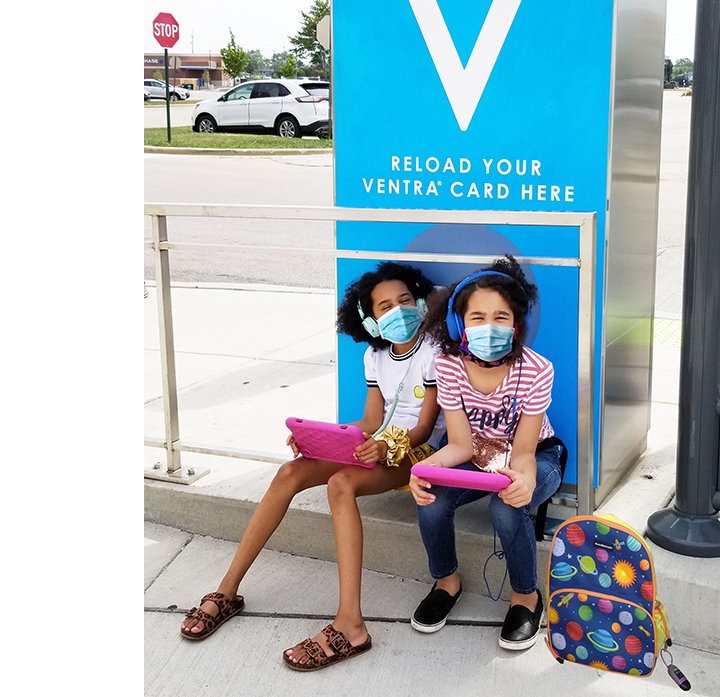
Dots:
{"x": 167, "y": 97}
{"x": 166, "y": 31}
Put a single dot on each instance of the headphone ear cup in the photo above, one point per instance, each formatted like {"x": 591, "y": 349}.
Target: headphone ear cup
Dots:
{"x": 458, "y": 328}
{"x": 369, "y": 323}
{"x": 371, "y": 326}
{"x": 455, "y": 326}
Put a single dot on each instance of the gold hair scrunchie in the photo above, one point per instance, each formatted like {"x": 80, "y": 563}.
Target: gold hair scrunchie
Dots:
{"x": 418, "y": 454}
{"x": 398, "y": 444}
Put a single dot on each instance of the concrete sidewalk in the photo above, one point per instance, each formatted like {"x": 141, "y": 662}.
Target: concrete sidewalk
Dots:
{"x": 235, "y": 390}
{"x": 289, "y": 598}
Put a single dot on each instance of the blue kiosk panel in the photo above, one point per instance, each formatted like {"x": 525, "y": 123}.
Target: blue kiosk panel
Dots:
{"x": 491, "y": 105}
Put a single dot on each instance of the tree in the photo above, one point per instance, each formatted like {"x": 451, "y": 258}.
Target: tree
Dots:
{"x": 305, "y": 41}
{"x": 235, "y": 60}
{"x": 682, "y": 72}
{"x": 683, "y": 65}
{"x": 288, "y": 68}
{"x": 256, "y": 62}
{"x": 668, "y": 69}
{"x": 277, "y": 61}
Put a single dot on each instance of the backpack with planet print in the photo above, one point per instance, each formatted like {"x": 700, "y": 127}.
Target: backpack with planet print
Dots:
{"x": 602, "y": 609}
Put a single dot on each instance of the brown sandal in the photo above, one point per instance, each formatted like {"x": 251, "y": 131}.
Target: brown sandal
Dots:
{"x": 317, "y": 658}
{"x": 227, "y": 607}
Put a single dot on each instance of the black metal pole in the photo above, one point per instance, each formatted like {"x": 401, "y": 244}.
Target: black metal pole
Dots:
{"x": 691, "y": 525}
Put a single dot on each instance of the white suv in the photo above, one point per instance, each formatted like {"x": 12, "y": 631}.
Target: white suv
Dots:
{"x": 155, "y": 89}
{"x": 288, "y": 108}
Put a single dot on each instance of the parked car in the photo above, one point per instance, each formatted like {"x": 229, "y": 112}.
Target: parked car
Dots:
{"x": 288, "y": 108}
{"x": 155, "y": 89}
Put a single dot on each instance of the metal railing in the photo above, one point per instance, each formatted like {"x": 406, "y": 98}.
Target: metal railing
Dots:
{"x": 585, "y": 261}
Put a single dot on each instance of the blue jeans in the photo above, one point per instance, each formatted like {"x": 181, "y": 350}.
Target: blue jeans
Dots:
{"x": 513, "y": 525}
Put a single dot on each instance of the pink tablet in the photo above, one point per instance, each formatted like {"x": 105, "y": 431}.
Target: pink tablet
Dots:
{"x": 319, "y": 440}
{"x": 463, "y": 479}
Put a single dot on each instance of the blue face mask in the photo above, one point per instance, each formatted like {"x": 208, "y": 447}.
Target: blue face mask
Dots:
{"x": 400, "y": 324}
{"x": 489, "y": 342}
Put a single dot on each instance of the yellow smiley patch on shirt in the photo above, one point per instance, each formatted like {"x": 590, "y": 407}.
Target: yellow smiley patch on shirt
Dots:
{"x": 419, "y": 391}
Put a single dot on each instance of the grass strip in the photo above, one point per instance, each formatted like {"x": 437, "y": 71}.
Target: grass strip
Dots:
{"x": 184, "y": 137}
{"x": 161, "y": 102}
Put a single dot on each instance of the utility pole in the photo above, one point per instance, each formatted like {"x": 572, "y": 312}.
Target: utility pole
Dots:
{"x": 691, "y": 525}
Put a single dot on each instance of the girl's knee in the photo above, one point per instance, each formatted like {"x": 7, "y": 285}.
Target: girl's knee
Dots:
{"x": 341, "y": 485}
{"x": 290, "y": 475}
{"x": 434, "y": 512}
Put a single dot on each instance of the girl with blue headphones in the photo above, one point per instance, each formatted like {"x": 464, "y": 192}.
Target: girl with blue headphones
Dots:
{"x": 384, "y": 308}
{"x": 495, "y": 392}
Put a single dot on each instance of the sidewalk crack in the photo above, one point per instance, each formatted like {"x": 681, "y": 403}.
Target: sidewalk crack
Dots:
{"x": 164, "y": 568}
{"x": 174, "y": 609}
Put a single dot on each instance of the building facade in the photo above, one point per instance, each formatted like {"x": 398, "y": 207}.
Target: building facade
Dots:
{"x": 193, "y": 70}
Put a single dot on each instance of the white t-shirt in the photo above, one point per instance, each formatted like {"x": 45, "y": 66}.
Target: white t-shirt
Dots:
{"x": 526, "y": 389}
{"x": 385, "y": 369}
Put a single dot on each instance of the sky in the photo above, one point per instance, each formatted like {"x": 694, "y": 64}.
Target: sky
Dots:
{"x": 680, "y": 29}
{"x": 267, "y": 25}
{"x": 205, "y": 28}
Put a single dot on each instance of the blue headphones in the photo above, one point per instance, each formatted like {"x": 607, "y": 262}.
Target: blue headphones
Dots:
{"x": 455, "y": 324}
{"x": 370, "y": 323}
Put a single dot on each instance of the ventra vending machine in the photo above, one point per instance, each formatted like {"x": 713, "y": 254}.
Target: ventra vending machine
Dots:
{"x": 513, "y": 105}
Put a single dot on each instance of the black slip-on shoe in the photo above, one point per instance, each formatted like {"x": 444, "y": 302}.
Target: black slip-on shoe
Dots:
{"x": 431, "y": 614}
{"x": 521, "y": 627}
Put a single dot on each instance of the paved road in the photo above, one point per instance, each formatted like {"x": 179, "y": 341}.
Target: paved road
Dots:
{"x": 672, "y": 203}
{"x": 309, "y": 180}
{"x": 179, "y": 115}
{"x": 282, "y": 179}
{"x": 180, "y": 112}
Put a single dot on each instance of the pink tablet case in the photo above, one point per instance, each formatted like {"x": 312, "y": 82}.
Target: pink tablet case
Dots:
{"x": 319, "y": 440}
{"x": 464, "y": 479}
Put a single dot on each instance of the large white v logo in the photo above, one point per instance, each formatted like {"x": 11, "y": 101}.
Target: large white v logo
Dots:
{"x": 464, "y": 86}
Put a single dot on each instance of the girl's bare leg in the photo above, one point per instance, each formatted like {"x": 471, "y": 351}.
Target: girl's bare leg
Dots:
{"x": 343, "y": 489}
{"x": 291, "y": 478}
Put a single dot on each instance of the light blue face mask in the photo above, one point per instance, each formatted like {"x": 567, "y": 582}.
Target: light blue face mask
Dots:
{"x": 489, "y": 342}
{"x": 400, "y": 324}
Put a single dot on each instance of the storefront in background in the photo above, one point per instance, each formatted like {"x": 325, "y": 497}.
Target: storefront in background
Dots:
{"x": 190, "y": 70}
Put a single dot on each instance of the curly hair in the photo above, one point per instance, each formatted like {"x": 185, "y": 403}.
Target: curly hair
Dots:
{"x": 516, "y": 290}
{"x": 360, "y": 291}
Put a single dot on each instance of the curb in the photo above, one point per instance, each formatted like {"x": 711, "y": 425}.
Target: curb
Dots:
{"x": 252, "y": 287}
{"x": 236, "y": 152}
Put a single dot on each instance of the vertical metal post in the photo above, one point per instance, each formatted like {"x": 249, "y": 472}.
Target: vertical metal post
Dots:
{"x": 691, "y": 526}
{"x": 586, "y": 364}
{"x": 167, "y": 344}
{"x": 167, "y": 96}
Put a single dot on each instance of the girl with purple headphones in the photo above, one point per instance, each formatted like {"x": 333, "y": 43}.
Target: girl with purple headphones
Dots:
{"x": 495, "y": 393}
{"x": 402, "y": 424}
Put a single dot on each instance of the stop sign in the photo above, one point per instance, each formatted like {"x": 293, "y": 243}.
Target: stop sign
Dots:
{"x": 166, "y": 30}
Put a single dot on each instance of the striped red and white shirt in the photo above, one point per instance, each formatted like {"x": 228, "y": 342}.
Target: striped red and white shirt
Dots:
{"x": 526, "y": 389}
